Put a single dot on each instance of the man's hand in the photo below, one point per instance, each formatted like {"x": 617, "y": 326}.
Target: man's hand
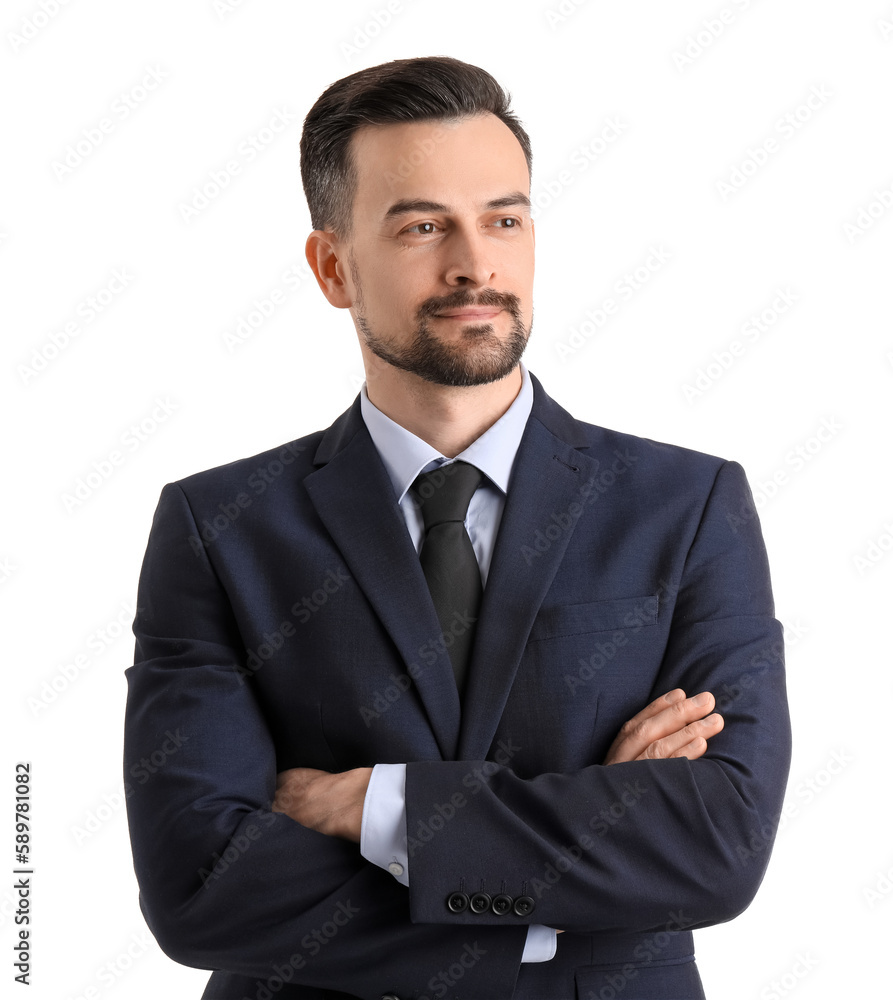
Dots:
{"x": 328, "y": 803}
{"x": 671, "y": 726}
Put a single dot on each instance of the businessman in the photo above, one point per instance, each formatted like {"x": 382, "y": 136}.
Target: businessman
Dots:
{"x": 429, "y": 695}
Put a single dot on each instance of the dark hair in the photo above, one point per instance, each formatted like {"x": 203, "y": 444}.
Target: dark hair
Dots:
{"x": 428, "y": 88}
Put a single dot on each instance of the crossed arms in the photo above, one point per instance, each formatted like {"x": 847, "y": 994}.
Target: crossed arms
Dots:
{"x": 671, "y": 726}
{"x": 230, "y": 882}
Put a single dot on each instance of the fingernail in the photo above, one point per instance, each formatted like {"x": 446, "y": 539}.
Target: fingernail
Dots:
{"x": 700, "y": 699}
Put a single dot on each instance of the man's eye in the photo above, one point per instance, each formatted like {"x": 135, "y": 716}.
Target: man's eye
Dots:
{"x": 424, "y": 228}
{"x": 508, "y": 223}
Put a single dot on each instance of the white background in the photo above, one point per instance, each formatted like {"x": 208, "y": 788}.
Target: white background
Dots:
{"x": 683, "y": 123}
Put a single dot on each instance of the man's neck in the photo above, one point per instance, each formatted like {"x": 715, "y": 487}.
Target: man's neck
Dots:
{"x": 449, "y": 418}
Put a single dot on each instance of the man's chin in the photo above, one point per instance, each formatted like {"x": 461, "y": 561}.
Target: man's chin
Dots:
{"x": 477, "y": 357}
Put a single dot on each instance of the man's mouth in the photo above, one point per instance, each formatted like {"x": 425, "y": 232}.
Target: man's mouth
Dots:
{"x": 475, "y": 314}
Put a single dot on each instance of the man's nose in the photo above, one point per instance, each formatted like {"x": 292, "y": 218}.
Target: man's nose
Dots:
{"x": 470, "y": 260}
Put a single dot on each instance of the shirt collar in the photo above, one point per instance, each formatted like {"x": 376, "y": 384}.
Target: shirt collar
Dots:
{"x": 405, "y": 455}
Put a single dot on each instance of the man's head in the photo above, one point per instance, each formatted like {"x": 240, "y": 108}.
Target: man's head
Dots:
{"x": 418, "y": 179}
{"x": 430, "y": 88}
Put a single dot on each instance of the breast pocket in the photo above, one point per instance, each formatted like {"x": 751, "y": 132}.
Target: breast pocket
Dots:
{"x": 595, "y": 616}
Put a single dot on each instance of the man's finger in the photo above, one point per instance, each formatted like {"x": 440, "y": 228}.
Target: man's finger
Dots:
{"x": 690, "y": 742}
{"x": 657, "y": 706}
{"x": 650, "y": 726}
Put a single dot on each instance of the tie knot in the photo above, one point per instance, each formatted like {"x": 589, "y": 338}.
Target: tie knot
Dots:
{"x": 445, "y": 493}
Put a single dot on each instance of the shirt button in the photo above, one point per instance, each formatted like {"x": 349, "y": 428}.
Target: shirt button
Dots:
{"x": 395, "y": 868}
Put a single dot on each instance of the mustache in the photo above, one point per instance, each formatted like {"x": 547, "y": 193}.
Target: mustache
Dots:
{"x": 461, "y": 298}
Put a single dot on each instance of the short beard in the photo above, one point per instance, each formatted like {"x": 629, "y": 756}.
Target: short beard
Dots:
{"x": 478, "y": 358}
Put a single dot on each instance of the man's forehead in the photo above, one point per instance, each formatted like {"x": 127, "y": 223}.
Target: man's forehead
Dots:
{"x": 441, "y": 163}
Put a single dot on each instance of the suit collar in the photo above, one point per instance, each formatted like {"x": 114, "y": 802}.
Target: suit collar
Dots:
{"x": 405, "y": 455}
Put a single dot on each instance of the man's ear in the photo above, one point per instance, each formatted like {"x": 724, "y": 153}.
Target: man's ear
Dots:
{"x": 324, "y": 256}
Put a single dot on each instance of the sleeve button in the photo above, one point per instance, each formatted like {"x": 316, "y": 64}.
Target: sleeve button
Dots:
{"x": 524, "y": 905}
{"x": 502, "y": 904}
{"x": 480, "y": 902}
{"x": 457, "y": 902}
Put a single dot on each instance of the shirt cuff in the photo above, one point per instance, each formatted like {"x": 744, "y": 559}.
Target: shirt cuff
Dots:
{"x": 383, "y": 830}
{"x": 541, "y": 944}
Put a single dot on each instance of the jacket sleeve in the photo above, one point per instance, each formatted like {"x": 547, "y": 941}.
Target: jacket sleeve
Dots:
{"x": 224, "y": 882}
{"x": 632, "y": 846}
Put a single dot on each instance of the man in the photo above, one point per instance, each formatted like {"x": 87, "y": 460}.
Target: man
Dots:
{"x": 433, "y": 688}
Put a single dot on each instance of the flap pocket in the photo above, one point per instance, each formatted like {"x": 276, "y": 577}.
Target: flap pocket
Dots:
{"x": 595, "y": 616}
{"x": 656, "y": 981}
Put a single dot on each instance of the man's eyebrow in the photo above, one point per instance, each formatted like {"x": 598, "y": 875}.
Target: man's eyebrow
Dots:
{"x": 407, "y": 205}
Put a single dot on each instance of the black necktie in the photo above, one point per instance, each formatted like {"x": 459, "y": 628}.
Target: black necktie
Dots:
{"x": 447, "y": 556}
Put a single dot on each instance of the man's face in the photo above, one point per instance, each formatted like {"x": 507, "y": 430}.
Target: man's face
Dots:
{"x": 440, "y": 261}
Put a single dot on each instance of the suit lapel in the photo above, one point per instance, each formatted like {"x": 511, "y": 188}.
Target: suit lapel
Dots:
{"x": 354, "y": 498}
{"x": 548, "y": 477}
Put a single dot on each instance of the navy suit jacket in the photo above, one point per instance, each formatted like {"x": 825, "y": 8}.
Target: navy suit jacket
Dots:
{"x": 283, "y": 620}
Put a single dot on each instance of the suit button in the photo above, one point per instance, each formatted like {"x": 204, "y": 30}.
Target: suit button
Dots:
{"x": 389, "y": 996}
{"x": 480, "y": 902}
{"x": 502, "y": 904}
{"x": 456, "y": 902}
{"x": 524, "y": 905}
